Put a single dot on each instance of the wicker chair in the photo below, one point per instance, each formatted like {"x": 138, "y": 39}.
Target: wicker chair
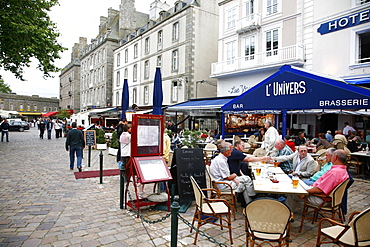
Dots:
{"x": 335, "y": 207}
{"x": 267, "y": 220}
{"x": 354, "y": 163}
{"x": 209, "y": 210}
{"x": 259, "y": 152}
{"x": 355, "y": 233}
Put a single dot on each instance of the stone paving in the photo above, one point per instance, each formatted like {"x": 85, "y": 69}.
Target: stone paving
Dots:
{"x": 42, "y": 204}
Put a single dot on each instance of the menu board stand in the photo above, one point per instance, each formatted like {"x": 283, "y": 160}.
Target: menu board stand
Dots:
{"x": 151, "y": 169}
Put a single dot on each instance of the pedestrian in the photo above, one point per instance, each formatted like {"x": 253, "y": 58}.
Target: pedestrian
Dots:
{"x": 49, "y": 127}
{"x": 42, "y": 128}
{"x": 74, "y": 144}
{"x": 58, "y": 129}
{"x": 4, "y": 130}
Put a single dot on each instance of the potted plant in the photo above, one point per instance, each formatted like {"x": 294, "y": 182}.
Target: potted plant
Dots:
{"x": 191, "y": 138}
{"x": 113, "y": 147}
{"x": 101, "y": 142}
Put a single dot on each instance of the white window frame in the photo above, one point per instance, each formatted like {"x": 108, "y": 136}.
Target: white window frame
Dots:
{"x": 117, "y": 99}
{"x": 118, "y": 59}
{"x": 146, "y": 69}
{"x": 135, "y": 50}
{"x": 174, "y": 96}
{"x": 159, "y": 40}
{"x": 175, "y": 31}
{"x": 118, "y": 78}
{"x": 147, "y": 45}
{"x": 175, "y": 60}
{"x": 272, "y": 7}
{"x": 273, "y": 51}
{"x": 249, "y": 8}
{"x": 159, "y": 61}
{"x": 134, "y": 72}
{"x": 125, "y": 73}
{"x": 126, "y": 56}
{"x": 231, "y": 52}
{"x": 146, "y": 95}
{"x": 231, "y": 18}
{"x": 249, "y": 41}
{"x": 134, "y": 96}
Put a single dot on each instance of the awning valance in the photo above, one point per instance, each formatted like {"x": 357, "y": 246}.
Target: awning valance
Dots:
{"x": 201, "y": 104}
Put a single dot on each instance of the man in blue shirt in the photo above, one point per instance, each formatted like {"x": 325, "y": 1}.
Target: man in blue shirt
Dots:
{"x": 328, "y": 136}
{"x": 284, "y": 149}
{"x": 323, "y": 170}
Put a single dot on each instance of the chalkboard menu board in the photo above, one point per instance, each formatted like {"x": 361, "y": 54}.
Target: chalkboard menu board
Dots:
{"x": 188, "y": 162}
{"x": 90, "y": 138}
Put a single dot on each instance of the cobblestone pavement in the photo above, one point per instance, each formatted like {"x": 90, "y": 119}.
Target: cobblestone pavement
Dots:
{"x": 42, "y": 204}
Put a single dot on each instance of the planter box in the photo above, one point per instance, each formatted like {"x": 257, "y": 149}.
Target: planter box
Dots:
{"x": 113, "y": 151}
{"x": 101, "y": 146}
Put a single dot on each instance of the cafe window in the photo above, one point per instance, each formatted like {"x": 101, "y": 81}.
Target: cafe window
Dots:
{"x": 146, "y": 69}
{"x": 175, "y": 60}
{"x": 230, "y": 52}
{"x": 272, "y": 42}
{"x": 134, "y": 71}
{"x": 364, "y": 47}
{"x": 249, "y": 48}
{"x": 146, "y": 95}
{"x": 175, "y": 31}
{"x": 272, "y": 7}
{"x": 231, "y": 18}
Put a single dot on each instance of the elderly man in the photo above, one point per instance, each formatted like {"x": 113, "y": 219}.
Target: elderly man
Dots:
{"x": 271, "y": 136}
{"x": 326, "y": 183}
{"x": 339, "y": 137}
{"x": 284, "y": 150}
{"x": 220, "y": 173}
{"x": 328, "y": 136}
{"x": 303, "y": 163}
{"x": 324, "y": 169}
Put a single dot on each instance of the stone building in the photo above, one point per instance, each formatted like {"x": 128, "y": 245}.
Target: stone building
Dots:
{"x": 182, "y": 41}
{"x": 96, "y": 59}
{"x": 69, "y": 97}
{"x": 29, "y": 107}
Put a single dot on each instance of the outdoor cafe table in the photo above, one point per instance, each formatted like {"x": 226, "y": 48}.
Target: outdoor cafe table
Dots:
{"x": 263, "y": 184}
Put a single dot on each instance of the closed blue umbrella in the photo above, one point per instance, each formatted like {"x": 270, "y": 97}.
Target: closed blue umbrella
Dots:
{"x": 125, "y": 99}
{"x": 157, "y": 93}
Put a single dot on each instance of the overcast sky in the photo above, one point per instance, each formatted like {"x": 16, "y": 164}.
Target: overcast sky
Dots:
{"x": 74, "y": 19}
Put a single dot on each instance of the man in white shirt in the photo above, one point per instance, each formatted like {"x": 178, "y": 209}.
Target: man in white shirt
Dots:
{"x": 271, "y": 136}
{"x": 347, "y": 130}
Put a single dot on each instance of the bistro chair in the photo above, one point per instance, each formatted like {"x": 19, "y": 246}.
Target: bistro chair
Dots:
{"x": 354, "y": 163}
{"x": 229, "y": 194}
{"x": 355, "y": 233}
{"x": 209, "y": 211}
{"x": 259, "y": 152}
{"x": 321, "y": 159}
{"x": 208, "y": 152}
{"x": 267, "y": 220}
{"x": 335, "y": 205}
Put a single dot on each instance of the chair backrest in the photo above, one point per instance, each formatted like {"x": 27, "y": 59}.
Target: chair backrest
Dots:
{"x": 198, "y": 193}
{"x": 338, "y": 192}
{"x": 317, "y": 167}
{"x": 211, "y": 146}
{"x": 360, "y": 226}
{"x": 321, "y": 151}
{"x": 208, "y": 177}
{"x": 267, "y": 216}
{"x": 252, "y": 139}
{"x": 340, "y": 145}
{"x": 259, "y": 152}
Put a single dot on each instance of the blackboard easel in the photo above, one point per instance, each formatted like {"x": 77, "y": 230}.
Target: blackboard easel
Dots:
{"x": 90, "y": 140}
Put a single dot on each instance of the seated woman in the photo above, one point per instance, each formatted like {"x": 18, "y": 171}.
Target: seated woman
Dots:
{"x": 323, "y": 141}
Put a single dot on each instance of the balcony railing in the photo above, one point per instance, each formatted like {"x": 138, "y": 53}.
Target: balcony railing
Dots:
{"x": 249, "y": 22}
{"x": 291, "y": 54}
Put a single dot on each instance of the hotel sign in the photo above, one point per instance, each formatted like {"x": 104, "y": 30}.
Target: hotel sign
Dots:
{"x": 345, "y": 22}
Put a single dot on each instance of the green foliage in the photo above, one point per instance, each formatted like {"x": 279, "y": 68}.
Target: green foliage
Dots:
{"x": 114, "y": 140}
{"x": 191, "y": 138}
{"x": 63, "y": 113}
{"x": 100, "y": 138}
{"x": 26, "y": 32}
{"x": 4, "y": 88}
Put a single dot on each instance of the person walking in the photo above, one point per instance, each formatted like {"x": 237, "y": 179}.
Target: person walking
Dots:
{"x": 49, "y": 127}
{"x": 4, "y": 130}
{"x": 42, "y": 128}
{"x": 74, "y": 144}
{"x": 58, "y": 128}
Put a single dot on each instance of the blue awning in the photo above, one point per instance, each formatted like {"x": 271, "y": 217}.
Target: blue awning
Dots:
{"x": 358, "y": 81}
{"x": 292, "y": 88}
{"x": 202, "y": 104}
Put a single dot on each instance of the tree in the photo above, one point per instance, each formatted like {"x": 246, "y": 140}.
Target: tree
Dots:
{"x": 4, "y": 88}
{"x": 26, "y": 32}
{"x": 63, "y": 113}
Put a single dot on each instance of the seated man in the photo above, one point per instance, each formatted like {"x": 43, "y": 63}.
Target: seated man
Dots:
{"x": 323, "y": 170}
{"x": 326, "y": 183}
{"x": 284, "y": 150}
{"x": 220, "y": 172}
{"x": 300, "y": 140}
{"x": 303, "y": 163}
{"x": 237, "y": 160}
{"x": 339, "y": 137}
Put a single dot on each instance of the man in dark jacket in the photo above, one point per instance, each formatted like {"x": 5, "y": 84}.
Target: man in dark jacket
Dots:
{"x": 4, "y": 130}
{"x": 74, "y": 144}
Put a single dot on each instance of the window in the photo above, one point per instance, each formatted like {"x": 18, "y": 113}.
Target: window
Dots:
{"x": 34, "y": 107}
{"x": 364, "y": 47}
{"x": 102, "y": 74}
{"x": 118, "y": 59}
{"x": 175, "y": 60}
{"x": 249, "y": 48}
{"x": 126, "y": 55}
{"x": 146, "y": 95}
{"x": 21, "y": 107}
{"x": 159, "y": 61}
{"x": 135, "y": 51}
{"x": 160, "y": 39}
{"x": 28, "y": 108}
{"x": 249, "y": 9}
{"x": 11, "y": 107}
{"x": 44, "y": 108}
{"x": 272, "y": 43}
{"x": 231, "y": 17}
{"x": 230, "y": 52}
{"x": 134, "y": 96}
{"x": 134, "y": 71}
{"x": 175, "y": 31}
{"x": 118, "y": 79}
{"x": 147, "y": 46}
{"x": 146, "y": 69}
{"x": 272, "y": 6}
{"x": 117, "y": 99}
{"x": 362, "y": 1}
{"x": 174, "y": 91}
{"x": 125, "y": 76}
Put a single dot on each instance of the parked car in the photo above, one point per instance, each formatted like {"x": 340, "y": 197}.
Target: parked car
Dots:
{"x": 19, "y": 125}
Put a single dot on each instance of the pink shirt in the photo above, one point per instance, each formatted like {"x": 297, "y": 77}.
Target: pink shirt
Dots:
{"x": 336, "y": 175}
